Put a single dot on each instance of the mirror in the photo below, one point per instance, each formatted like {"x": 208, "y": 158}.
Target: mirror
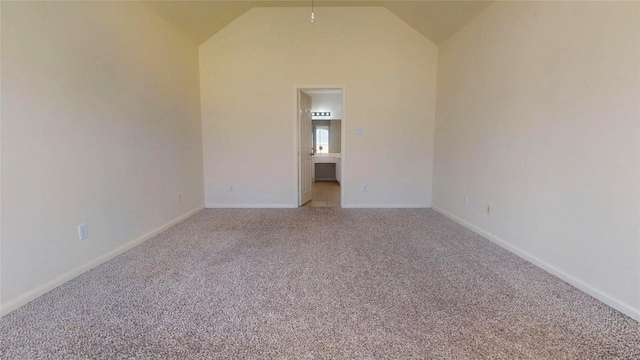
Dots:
{"x": 327, "y": 136}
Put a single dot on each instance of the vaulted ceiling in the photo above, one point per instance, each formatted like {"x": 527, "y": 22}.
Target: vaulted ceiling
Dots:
{"x": 436, "y": 20}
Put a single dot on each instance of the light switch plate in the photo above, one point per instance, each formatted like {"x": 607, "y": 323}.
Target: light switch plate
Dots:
{"x": 83, "y": 233}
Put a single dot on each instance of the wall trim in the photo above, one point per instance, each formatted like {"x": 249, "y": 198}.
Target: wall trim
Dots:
{"x": 293, "y": 206}
{"x": 386, "y": 206}
{"x": 586, "y": 288}
{"x": 43, "y": 289}
{"x": 251, "y": 206}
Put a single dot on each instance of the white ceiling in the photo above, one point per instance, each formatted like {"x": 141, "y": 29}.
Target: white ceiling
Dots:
{"x": 436, "y": 20}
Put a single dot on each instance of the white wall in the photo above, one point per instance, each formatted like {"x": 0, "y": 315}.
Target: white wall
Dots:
{"x": 538, "y": 115}
{"x": 100, "y": 124}
{"x": 327, "y": 102}
{"x": 248, "y": 74}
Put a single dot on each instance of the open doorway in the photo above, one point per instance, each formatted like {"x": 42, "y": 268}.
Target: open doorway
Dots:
{"x": 320, "y": 132}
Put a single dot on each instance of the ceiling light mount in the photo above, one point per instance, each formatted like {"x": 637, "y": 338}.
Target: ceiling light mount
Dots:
{"x": 312, "y": 14}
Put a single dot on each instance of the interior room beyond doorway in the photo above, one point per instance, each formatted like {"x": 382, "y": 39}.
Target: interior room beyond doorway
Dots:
{"x": 326, "y": 109}
{"x": 325, "y": 194}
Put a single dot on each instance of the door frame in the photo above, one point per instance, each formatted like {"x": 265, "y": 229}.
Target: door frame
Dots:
{"x": 296, "y": 139}
{"x": 305, "y": 148}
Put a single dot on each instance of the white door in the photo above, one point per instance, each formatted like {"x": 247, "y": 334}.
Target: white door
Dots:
{"x": 305, "y": 149}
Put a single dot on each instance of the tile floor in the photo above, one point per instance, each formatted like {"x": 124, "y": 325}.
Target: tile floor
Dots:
{"x": 325, "y": 194}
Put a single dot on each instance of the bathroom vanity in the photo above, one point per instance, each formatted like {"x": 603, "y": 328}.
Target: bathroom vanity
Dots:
{"x": 320, "y": 160}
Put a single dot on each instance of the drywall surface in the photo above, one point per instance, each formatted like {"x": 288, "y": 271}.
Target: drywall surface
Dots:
{"x": 100, "y": 125}
{"x": 538, "y": 116}
{"x": 327, "y": 102}
{"x": 249, "y": 72}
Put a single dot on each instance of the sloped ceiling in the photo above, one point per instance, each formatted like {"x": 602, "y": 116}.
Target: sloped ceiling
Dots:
{"x": 436, "y": 20}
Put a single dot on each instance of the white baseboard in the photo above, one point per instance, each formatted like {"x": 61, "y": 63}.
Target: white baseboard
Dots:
{"x": 386, "y": 206}
{"x": 251, "y": 206}
{"x": 43, "y": 289}
{"x": 616, "y": 304}
{"x": 293, "y": 206}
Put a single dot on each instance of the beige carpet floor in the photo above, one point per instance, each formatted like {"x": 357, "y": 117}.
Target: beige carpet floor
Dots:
{"x": 317, "y": 283}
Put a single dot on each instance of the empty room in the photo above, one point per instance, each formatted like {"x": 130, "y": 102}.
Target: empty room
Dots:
{"x": 476, "y": 168}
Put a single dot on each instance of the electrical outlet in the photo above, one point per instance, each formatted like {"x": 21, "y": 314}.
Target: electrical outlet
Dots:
{"x": 83, "y": 233}
{"x": 488, "y": 209}
{"x": 365, "y": 187}
{"x": 230, "y": 188}
{"x": 465, "y": 200}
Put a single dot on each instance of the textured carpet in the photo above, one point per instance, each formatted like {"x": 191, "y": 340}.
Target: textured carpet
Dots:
{"x": 317, "y": 283}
